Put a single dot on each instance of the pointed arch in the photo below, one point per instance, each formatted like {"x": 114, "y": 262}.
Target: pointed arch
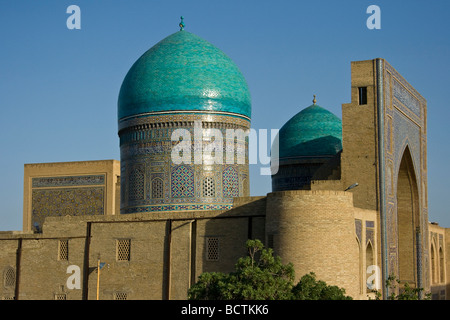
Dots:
{"x": 408, "y": 213}
{"x": 441, "y": 266}
{"x": 361, "y": 274}
{"x": 157, "y": 188}
{"x": 369, "y": 254}
{"x": 433, "y": 262}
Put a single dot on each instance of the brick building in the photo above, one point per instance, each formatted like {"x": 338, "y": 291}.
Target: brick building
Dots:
{"x": 350, "y": 195}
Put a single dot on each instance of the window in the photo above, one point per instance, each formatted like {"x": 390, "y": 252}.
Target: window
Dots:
{"x": 63, "y": 250}
{"x": 208, "y": 187}
{"x": 369, "y": 255}
{"x": 9, "y": 277}
{"x": 362, "y": 93}
{"x": 60, "y": 296}
{"x": 157, "y": 188}
{"x": 136, "y": 183}
{"x": 212, "y": 249}
{"x": 123, "y": 249}
{"x": 120, "y": 296}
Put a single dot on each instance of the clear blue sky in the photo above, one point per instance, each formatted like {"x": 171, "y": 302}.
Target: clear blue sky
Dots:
{"x": 59, "y": 87}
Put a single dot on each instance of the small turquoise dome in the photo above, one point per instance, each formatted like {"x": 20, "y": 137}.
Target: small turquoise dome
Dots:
{"x": 183, "y": 72}
{"x": 312, "y": 132}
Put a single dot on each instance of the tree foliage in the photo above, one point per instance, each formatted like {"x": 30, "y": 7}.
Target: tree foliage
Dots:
{"x": 405, "y": 293}
{"x": 261, "y": 276}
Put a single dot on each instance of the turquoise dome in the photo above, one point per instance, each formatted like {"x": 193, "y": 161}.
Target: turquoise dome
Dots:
{"x": 183, "y": 72}
{"x": 312, "y": 132}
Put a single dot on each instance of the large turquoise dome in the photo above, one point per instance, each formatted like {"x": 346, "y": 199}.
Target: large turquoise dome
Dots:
{"x": 313, "y": 132}
{"x": 183, "y": 72}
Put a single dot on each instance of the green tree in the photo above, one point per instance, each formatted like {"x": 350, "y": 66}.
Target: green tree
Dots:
{"x": 261, "y": 276}
{"x": 308, "y": 288}
{"x": 405, "y": 293}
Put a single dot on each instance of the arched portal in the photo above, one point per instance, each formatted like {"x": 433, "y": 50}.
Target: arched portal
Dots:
{"x": 407, "y": 220}
{"x": 433, "y": 264}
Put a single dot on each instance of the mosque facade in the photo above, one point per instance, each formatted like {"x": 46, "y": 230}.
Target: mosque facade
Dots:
{"x": 348, "y": 202}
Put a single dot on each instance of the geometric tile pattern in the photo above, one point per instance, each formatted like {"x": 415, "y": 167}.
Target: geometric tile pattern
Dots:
{"x": 182, "y": 182}
{"x": 66, "y": 201}
{"x": 136, "y": 184}
{"x": 163, "y": 185}
{"x": 69, "y": 181}
{"x": 230, "y": 181}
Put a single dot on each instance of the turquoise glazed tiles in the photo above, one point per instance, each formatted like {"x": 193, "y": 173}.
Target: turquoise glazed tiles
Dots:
{"x": 183, "y": 72}
{"x": 314, "y": 131}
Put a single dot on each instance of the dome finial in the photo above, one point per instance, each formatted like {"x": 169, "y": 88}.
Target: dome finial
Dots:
{"x": 181, "y": 24}
{"x": 314, "y": 100}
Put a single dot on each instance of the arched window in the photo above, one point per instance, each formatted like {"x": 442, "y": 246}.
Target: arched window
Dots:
{"x": 209, "y": 189}
{"x": 157, "y": 188}
{"x": 360, "y": 263}
{"x": 369, "y": 255}
{"x": 433, "y": 264}
{"x": 136, "y": 183}
{"x": 441, "y": 266}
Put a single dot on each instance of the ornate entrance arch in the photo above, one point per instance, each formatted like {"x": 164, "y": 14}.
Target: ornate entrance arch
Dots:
{"x": 408, "y": 221}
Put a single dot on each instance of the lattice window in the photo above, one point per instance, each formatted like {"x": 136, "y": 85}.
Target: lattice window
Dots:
{"x": 182, "y": 184}
{"x": 123, "y": 247}
{"x": 212, "y": 249}
{"x": 120, "y": 296}
{"x": 209, "y": 188}
{"x": 9, "y": 277}
{"x": 136, "y": 184}
{"x": 63, "y": 250}
{"x": 157, "y": 188}
{"x": 230, "y": 180}
{"x": 60, "y": 296}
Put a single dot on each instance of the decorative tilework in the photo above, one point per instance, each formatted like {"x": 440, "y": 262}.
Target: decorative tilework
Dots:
{"x": 182, "y": 182}
{"x": 406, "y": 98}
{"x": 230, "y": 181}
{"x": 137, "y": 183}
{"x": 157, "y": 188}
{"x": 164, "y": 120}
{"x": 177, "y": 207}
{"x": 370, "y": 224}
{"x": 370, "y": 236}
{"x": 67, "y": 181}
{"x": 314, "y": 131}
{"x": 404, "y": 128}
{"x": 66, "y": 201}
{"x": 148, "y": 143}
